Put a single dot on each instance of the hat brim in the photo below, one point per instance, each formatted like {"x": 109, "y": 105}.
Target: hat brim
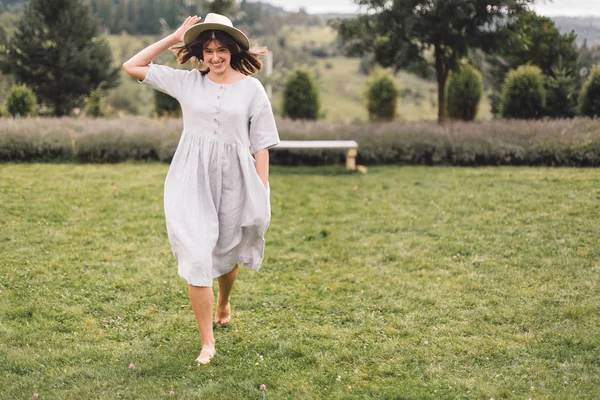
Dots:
{"x": 193, "y": 31}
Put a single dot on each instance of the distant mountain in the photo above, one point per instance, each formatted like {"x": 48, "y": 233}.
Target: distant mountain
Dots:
{"x": 585, "y": 28}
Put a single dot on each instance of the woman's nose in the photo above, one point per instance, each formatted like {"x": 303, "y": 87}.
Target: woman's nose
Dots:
{"x": 215, "y": 57}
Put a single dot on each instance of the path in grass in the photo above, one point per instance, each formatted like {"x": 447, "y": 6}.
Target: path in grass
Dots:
{"x": 406, "y": 282}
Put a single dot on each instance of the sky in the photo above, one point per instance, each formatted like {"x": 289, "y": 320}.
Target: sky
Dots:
{"x": 556, "y": 7}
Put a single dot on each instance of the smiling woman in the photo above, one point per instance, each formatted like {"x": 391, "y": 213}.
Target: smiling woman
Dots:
{"x": 217, "y": 50}
{"x": 216, "y": 194}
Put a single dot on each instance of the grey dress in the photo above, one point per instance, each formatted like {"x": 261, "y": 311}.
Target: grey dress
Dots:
{"x": 216, "y": 207}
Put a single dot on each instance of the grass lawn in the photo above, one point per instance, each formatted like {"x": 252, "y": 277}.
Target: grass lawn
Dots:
{"x": 406, "y": 282}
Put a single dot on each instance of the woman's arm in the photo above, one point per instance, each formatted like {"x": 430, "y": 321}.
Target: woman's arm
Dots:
{"x": 262, "y": 165}
{"x": 137, "y": 66}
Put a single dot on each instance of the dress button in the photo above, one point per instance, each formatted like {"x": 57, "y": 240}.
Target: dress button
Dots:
{"x": 215, "y": 120}
{"x": 221, "y": 87}
{"x": 215, "y": 132}
{"x": 218, "y": 97}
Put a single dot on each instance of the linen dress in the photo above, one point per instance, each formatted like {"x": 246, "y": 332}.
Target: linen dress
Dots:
{"x": 216, "y": 207}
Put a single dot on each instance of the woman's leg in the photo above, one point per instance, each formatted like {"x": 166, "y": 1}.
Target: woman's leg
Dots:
{"x": 223, "y": 313}
{"x": 202, "y": 299}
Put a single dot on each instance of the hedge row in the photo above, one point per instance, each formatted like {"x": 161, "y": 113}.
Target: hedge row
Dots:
{"x": 556, "y": 143}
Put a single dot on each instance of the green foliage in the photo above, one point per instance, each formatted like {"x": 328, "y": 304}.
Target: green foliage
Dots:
{"x": 523, "y": 93}
{"x": 530, "y": 39}
{"x": 21, "y": 101}
{"x": 382, "y": 97}
{"x": 165, "y": 105}
{"x": 561, "y": 97}
{"x": 224, "y": 7}
{"x": 95, "y": 105}
{"x": 56, "y": 51}
{"x": 590, "y": 95}
{"x": 465, "y": 88}
{"x": 300, "y": 96}
{"x": 400, "y": 32}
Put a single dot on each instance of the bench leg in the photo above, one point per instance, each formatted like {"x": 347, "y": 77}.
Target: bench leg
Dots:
{"x": 351, "y": 159}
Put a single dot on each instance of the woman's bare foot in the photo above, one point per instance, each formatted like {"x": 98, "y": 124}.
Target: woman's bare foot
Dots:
{"x": 206, "y": 354}
{"x": 223, "y": 314}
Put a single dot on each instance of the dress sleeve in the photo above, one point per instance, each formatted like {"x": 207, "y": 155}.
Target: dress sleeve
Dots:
{"x": 263, "y": 131}
{"x": 166, "y": 79}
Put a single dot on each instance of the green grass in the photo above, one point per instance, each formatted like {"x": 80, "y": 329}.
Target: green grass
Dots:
{"x": 496, "y": 269}
{"x": 298, "y": 36}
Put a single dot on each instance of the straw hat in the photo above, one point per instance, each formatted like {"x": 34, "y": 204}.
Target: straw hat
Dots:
{"x": 217, "y": 22}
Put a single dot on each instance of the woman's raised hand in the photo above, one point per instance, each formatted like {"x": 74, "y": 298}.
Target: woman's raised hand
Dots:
{"x": 189, "y": 21}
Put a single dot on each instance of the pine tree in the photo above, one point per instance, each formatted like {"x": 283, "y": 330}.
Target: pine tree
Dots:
{"x": 561, "y": 93}
{"x": 55, "y": 51}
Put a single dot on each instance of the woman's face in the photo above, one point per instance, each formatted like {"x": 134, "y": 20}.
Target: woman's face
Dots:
{"x": 217, "y": 57}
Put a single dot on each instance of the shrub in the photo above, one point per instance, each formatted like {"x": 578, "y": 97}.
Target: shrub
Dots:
{"x": 523, "y": 93}
{"x": 109, "y": 147}
{"x": 590, "y": 95}
{"x": 300, "y": 96}
{"x": 561, "y": 100}
{"x": 465, "y": 88}
{"x": 382, "y": 96}
{"x": 20, "y": 101}
{"x": 498, "y": 142}
{"x": 165, "y": 105}
{"x": 95, "y": 106}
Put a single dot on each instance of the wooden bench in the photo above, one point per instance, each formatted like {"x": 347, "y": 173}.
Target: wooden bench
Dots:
{"x": 350, "y": 146}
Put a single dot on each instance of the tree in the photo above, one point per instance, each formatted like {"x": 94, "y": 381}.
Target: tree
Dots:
{"x": 534, "y": 40}
{"x": 300, "y": 96}
{"x": 221, "y": 6}
{"x": 561, "y": 97}
{"x": 55, "y": 51}
{"x": 523, "y": 93}
{"x": 465, "y": 88}
{"x": 590, "y": 95}
{"x": 382, "y": 97}
{"x": 400, "y": 32}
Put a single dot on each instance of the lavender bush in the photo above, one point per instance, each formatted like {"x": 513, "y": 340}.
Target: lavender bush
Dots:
{"x": 557, "y": 143}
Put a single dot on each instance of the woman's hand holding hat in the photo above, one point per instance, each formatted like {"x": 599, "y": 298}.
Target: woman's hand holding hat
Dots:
{"x": 189, "y": 21}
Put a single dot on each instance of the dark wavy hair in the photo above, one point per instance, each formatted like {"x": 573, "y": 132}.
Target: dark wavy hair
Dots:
{"x": 245, "y": 61}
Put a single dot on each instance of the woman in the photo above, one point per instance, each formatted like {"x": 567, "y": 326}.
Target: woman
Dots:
{"x": 216, "y": 194}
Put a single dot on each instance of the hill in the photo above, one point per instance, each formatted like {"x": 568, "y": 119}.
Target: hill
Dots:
{"x": 586, "y": 28}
